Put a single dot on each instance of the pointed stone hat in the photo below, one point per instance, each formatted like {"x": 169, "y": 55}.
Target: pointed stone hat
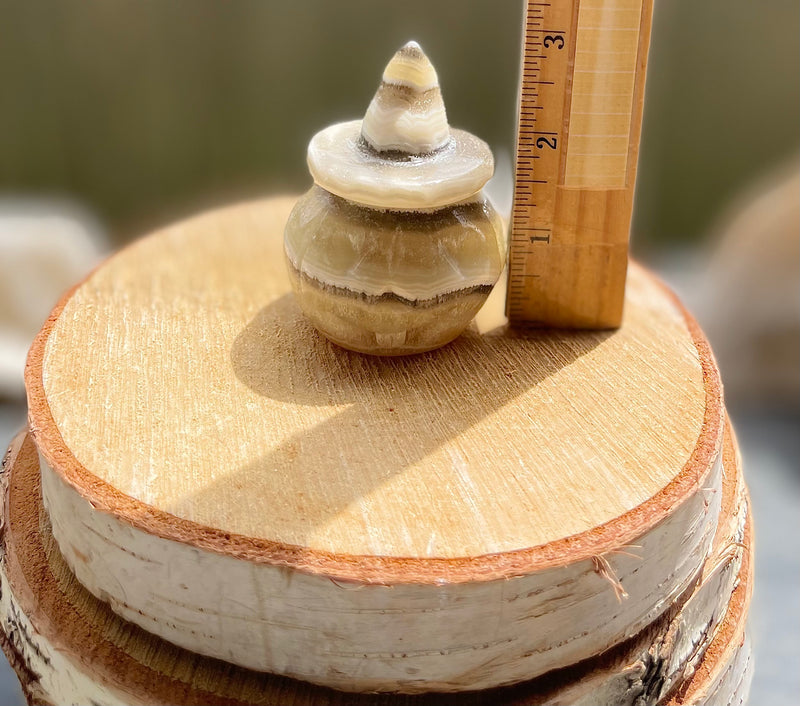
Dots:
{"x": 403, "y": 155}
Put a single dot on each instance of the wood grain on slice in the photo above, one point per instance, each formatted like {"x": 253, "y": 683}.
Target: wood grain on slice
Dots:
{"x": 68, "y": 647}
{"x": 448, "y": 521}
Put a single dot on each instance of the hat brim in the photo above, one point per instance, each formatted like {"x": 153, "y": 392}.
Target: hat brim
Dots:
{"x": 343, "y": 164}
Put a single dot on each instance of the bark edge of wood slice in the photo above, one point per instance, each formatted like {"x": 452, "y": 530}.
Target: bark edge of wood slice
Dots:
{"x": 209, "y": 460}
{"x": 68, "y": 647}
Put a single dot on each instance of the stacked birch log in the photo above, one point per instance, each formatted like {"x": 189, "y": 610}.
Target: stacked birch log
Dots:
{"x": 214, "y": 505}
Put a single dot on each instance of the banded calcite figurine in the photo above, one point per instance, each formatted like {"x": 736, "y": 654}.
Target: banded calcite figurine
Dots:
{"x": 395, "y": 247}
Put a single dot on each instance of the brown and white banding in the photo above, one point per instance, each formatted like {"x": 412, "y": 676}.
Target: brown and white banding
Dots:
{"x": 370, "y": 278}
{"x": 395, "y": 248}
{"x": 341, "y": 162}
{"x": 403, "y": 155}
{"x": 407, "y": 113}
{"x": 361, "y": 252}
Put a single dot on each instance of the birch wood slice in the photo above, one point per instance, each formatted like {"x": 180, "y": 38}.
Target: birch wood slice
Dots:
{"x": 230, "y": 481}
{"x": 69, "y": 648}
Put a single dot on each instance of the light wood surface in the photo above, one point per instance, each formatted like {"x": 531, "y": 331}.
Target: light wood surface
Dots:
{"x": 581, "y": 102}
{"x": 68, "y": 647}
{"x": 211, "y": 460}
{"x": 182, "y": 374}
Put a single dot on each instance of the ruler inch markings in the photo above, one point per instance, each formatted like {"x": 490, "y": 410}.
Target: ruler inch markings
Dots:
{"x": 581, "y": 89}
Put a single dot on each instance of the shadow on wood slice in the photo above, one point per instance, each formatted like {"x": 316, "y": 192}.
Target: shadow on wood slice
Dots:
{"x": 468, "y": 518}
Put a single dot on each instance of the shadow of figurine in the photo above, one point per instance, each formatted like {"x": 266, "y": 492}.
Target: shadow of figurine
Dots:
{"x": 389, "y": 413}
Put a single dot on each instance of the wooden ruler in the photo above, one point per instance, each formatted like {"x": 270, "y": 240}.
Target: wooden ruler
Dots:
{"x": 580, "y": 115}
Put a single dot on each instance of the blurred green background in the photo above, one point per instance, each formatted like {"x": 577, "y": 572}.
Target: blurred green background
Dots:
{"x": 146, "y": 110}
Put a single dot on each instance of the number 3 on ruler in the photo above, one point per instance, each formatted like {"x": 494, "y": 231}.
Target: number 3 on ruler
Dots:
{"x": 553, "y": 40}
